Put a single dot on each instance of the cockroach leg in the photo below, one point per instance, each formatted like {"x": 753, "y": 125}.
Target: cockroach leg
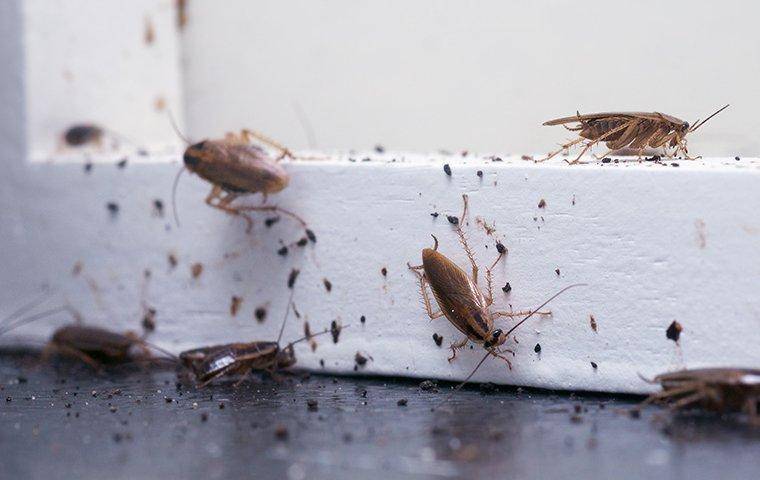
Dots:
{"x": 463, "y": 240}
{"x": 223, "y": 203}
{"x": 457, "y": 346}
{"x": 489, "y": 280}
{"x": 247, "y": 135}
{"x": 688, "y": 400}
{"x": 498, "y": 355}
{"x": 272, "y": 208}
{"x": 73, "y": 352}
{"x": 244, "y": 377}
{"x": 423, "y": 289}
{"x": 520, "y": 313}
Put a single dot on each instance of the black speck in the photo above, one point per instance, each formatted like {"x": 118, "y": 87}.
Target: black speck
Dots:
{"x": 322, "y": 362}
{"x": 113, "y": 208}
{"x": 363, "y": 319}
{"x": 674, "y": 164}
{"x": 122, "y": 163}
{"x": 292, "y": 277}
{"x": 168, "y": 399}
{"x": 22, "y": 379}
{"x": 479, "y": 173}
{"x": 283, "y": 251}
{"x": 261, "y": 314}
{"x": 437, "y": 339}
{"x": 311, "y": 236}
{"x": 606, "y": 160}
{"x": 556, "y": 270}
{"x": 635, "y": 413}
{"x": 452, "y": 219}
{"x": 542, "y": 203}
{"x": 8, "y": 399}
{"x": 360, "y": 359}
{"x": 312, "y": 405}
{"x": 384, "y": 272}
{"x": 158, "y": 206}
{"x": 328, "y": 284}
{"x": 447, "y": 169}
{"x": 379, "y": 149}
{"x": 302, "y": 242}
{"x": 496, "y": 159}
{"x": 271, "y": 221}
{"x": 594, "y": 365}
{"x": 402, "y": 402}
{"x": 506, "y": 288}
{"x": 737, "y": 158}
{"x": 335, "y": 331}
{"x": 221, "y": 405}
{"x": 500, "y": 247}
{"x": 434, "y": 214}
{"x": 674, "y": 331}
{"x": 88, "y": 167}
{"x": 537, "y": 348}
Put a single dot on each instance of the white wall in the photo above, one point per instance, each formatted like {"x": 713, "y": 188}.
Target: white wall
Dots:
{"x": 483, "y": 75}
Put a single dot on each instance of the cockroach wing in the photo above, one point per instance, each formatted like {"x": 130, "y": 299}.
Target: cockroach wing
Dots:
{"x": 457, "y": 295}
{"x": 655, "y": 116}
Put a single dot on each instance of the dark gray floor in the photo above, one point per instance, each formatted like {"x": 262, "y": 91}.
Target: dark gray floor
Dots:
{"x": 62, "y": 421}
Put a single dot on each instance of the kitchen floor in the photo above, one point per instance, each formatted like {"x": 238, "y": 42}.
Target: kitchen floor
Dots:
{"x": 62, "y": 420}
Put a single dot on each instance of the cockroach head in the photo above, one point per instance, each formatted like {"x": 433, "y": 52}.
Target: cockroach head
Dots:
{"x": 194, "y": 155}
{"x": 496, "y": 337}
{"x": 286, "y": 357}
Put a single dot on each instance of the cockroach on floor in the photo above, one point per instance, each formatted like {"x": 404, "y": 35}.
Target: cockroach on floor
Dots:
{"x": 632, "y": 130}
{"x": 210, "y": 363}
{"x": 236, "y": 167}
{"x": 460, "y": 299}
{"x": 716, "y": 389}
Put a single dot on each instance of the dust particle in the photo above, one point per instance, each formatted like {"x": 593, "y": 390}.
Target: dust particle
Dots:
{"x": 447, "y": 169}
{"x": 500, "y": 247}
{"x": 235, "y": 302}
{"x": 172, "y": 259}
{"x": 537, "y": 348}
{"x": 542, "y": 203}
{"x": 196, "y": 269}
{"x": 149, "y": 34}
{"x": 113, "y": 208}
{"x": 437, "y": 339}
{"x": 281, "y": 433}
{"x": 452, "y": 219}
{"x": 592, "y": 321}
{"x": 312, "y": 405}
{"x": 594, "y": 365}
{"x": 328, "y": 284}
{"x": 701, "y": 233}
{"x": 506, "y": 288}
{"x": 384, "y": 272}
{"x": 271, "y": 221}
{"x": 311, "y": 236}
{"x": 261, "y": 314}
{"x": 158, "y": 207}
{"x": 402, "y": 402}
{"x": 122, "y": 163}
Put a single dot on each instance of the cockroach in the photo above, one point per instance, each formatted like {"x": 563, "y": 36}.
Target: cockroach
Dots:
{"x": 632, "y": 130}
{"x": 459, "y": 297}
{"x": 236, "y": 167}
{"x": 715, "y": 389}
{"x": 92, "y": 345}
{"x": 462, "y": 302}
{"x": 209, "y": 363}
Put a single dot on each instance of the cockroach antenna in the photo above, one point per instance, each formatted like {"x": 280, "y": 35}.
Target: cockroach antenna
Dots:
{"x": 698, "y": 124}
{"x": 287, "y": 312}
{"x": 490, "y": 351}
{"x": 33, "y": 318}
{"x": 176, "y": 178}
{"x": 25, "y": 308}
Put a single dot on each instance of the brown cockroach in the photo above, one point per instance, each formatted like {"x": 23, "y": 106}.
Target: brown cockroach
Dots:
{"x": 716, "y": 389}
{"x": 209, "y": 363}
{"x": 460, "y": 299}
{"x": 632, "y": 130}
{"x": 236, "y": 167}
{"x": 83, "y": 134}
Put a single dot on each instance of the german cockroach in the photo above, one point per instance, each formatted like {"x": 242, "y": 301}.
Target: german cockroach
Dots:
{"x": 236, "y": 167}
{"x": 209, "y": 363}
{"x": 632, "y": 130}
{"x": 460, "y": 299}
{"x": 716, "y": 389}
